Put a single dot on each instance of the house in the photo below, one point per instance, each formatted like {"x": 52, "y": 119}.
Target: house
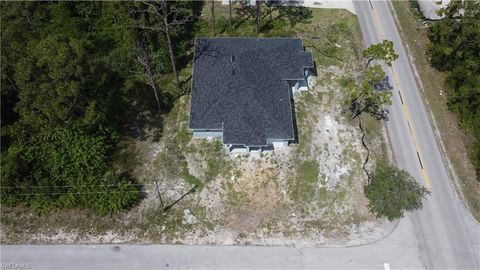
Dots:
{"x": 429, "y": 8}
{"x": 248, "y": 2}
{"x": 242, "y": 90}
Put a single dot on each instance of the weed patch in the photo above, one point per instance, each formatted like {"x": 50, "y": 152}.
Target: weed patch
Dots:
{"x": 304, "y": 185}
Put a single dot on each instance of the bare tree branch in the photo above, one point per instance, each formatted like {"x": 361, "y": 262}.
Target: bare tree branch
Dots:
{"x": 143, "y": 59}
{"x": 167, "y": 18}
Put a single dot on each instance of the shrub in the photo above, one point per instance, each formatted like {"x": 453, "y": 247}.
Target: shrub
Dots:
{"x": 393, "y": 191}
{"x": 62, "y": 167}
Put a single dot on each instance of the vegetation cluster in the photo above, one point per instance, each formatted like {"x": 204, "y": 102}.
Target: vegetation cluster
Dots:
{"x": 390, "y": 191}
{"x": 76, "y": 78}
{"x": 80, "y": 78}
{"x": 455, "y": 48}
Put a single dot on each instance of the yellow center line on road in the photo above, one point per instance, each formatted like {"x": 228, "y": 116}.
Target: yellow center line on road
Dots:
{"x": 426, "y": 180}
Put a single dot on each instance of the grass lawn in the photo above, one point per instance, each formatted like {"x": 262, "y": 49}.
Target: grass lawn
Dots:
{"x": 314, "y": 188}
{"x": 455, "y": 142}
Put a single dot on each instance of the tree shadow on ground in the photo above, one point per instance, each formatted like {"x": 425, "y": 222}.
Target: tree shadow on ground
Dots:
{"x": 141, "y": 116}
{"x": 383, "y": 85}
{"x": 381, "y": 113}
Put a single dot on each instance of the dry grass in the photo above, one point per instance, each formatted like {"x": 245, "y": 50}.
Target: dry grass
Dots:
{"x": 455, "y": 142}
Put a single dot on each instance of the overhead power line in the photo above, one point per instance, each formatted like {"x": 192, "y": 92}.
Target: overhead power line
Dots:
{"x": 106, "y": 185}
{"x": 71, "y": 193}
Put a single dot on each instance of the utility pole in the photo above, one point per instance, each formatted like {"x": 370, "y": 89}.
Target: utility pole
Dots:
{"x": 257, "y": 15}
{"x": 230, "y": 12}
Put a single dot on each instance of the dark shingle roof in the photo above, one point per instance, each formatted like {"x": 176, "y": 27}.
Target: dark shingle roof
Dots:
{"x": 239, "y": 85}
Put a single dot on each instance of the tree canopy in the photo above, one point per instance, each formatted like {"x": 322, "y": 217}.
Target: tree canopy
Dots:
{"x": 294, "y": 14}
{"x": 381, "y": 51}
{"x": 69, "y": 80}
{"x": 392, "y": 192}
{"x": 455, "y": 48}
{"x": 372, "y": 91}
{"x": 371, "y": 94}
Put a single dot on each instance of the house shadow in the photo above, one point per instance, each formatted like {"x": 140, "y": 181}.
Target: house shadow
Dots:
{"x": 296, "y": 139}
{"x": 294, "y": 118}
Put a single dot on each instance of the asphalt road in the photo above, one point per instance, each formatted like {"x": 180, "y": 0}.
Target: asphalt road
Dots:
{"x": 399, "y": 250}
{"x": 442, "y": 235}
{"x": 443, "y": 224}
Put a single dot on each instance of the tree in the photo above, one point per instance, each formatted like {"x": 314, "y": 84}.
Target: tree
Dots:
{"x": 52, "y": 81}
{"x": 167, "y": 19}
{"x": 455, "y": 49}
{"x": 372, "y": 91}
{"x": 148, "y": 73}
{"x": 371, "y": 94}
{"x": 19, "y": 27}
{"x": 244, "y": 10}
{"x": 274, "y": 5}
{"x": 392, "y": 192}
{"x": 294, "y": 14}
{"x": 65, "y": 91}
{"x": 381, "y": 51}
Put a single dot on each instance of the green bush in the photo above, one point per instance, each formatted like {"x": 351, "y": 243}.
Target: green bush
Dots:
{"x": 393, "y": 191}
{"x": 62, "y": 167}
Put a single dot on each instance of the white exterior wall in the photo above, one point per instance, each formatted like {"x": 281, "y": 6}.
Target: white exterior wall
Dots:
{"x": 207, "y": 133}
{"x": 280, "y": 144}
{"x": 239, "y": 151}
{"x": 305, "y": 84}
{"x": 429, "y": 8}
{"x": 302, "y": 85}
{"x": 298, "y": 86}
{"x": 255, "y": 150}
{"x": 235, "y": 149}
